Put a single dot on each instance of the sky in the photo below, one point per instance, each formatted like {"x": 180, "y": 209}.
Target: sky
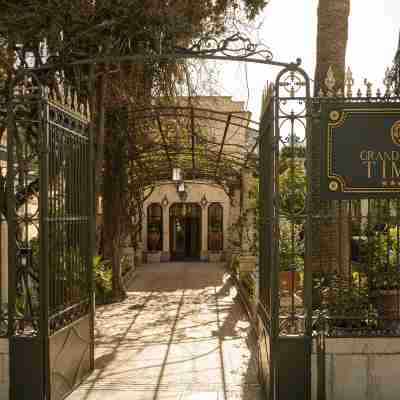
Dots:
{"x": 289, "y": 30}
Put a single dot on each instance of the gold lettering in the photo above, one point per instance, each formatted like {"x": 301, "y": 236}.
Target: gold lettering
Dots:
{"x": 369, "y": 166}
{"x": 384, "y": 169}
{"x": 370, "y": 155}
{"x": 395, "y": 170}
{"x": 395, "y": 155}
{"x": 364, "y": 155}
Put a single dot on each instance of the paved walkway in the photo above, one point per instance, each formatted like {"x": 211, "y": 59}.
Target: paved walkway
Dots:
{"x": 180, "y": 335}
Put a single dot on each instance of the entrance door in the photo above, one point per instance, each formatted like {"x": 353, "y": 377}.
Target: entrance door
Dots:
{"x": 185, "y": 231}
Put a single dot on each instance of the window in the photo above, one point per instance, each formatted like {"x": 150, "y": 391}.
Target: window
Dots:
{"x": 215, "y": 227}
{"x": 154, "y": 227}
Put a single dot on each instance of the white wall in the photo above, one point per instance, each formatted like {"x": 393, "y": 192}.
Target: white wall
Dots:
{"x": 195, "y": 190}
{"x": 360, "y": 369}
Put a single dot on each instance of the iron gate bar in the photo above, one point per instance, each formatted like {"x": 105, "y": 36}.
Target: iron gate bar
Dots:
{"x": 222, "y": 143}
{"x": 92, "y": 210}
{"x": 139, "y": 58}
{"x": 165, "y": 145}
{"x": 11, "y": 205}
{"x": 44, "y": 242}
{"x": 193, "y": 135}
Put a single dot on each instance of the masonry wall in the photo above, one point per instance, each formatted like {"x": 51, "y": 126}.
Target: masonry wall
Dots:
{"x": 360, "y": 369}
{"x": 4, "y": 369}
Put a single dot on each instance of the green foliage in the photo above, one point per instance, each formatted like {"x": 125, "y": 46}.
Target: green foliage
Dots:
{"x": 234, "y": 265}
{"x": 291, "y": 248}
{"x": 103, "y": 279}
{"x": 379, "y": 257}
{"x": 249, "y": 284}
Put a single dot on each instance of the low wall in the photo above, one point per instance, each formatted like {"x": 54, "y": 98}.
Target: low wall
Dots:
{"x": 359, "y": 369}
{"x": 4, "y": 369}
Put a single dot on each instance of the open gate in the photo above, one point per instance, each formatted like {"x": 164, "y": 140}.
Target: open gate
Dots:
{"x": 285, "y": 215}
{"x": 50, "y": 214}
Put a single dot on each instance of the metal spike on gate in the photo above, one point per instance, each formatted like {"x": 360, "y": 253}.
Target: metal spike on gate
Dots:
{"x": 369, "y": 87}
{"x": 378, "y": 92}
{"x": 339, "y": 93}
{"x": 69, "y": 98}
{"x": 349, "y": 82}
{"x": 330, "y": 81}
{"x": 75, "y": 101}
{"x": 46, "y": 92}
{"x": 320, "y": 93}
{"x": 87, "y": 109}
{"x": 387, "y": 81}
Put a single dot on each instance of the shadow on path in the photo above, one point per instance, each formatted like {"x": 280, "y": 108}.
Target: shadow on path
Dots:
{"x": 180, "y": 334}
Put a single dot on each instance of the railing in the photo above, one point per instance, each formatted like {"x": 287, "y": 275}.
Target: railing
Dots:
{"x": 259, "y": 323}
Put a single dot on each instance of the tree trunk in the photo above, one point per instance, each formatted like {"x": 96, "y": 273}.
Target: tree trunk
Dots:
{"x": 332, "y": 36}
{"x": 332, "y": 246}
{"x": 114, "y": 192}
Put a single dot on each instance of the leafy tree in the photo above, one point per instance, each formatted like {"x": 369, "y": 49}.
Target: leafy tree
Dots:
{"x": 57, "y": 33}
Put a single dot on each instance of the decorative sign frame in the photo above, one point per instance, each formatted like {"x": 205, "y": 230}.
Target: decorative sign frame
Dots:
{"x": 360, "y": 150}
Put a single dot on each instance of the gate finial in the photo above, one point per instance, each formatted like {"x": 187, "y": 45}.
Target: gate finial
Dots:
{"x": 349, "y": 82}
{"x": 330, "y": 80}
{"x": 369, "y": 87}
{"x": 387, "y": 81}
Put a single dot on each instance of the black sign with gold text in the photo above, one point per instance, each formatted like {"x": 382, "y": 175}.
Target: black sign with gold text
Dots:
{"x": 360, "y": 151}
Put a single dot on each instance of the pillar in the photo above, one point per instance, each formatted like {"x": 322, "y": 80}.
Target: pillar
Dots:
{"x": 204, "y": 234}
{"x": 165, "y": 256}
{"x": 247, "y": 259}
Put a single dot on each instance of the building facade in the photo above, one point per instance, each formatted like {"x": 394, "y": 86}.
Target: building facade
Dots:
{"x": 191, "y": 219}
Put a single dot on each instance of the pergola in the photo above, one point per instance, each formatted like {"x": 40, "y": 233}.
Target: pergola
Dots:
{"x": 205, "y": 144}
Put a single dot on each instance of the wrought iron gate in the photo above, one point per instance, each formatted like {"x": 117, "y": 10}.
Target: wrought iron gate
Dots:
{"x": 285, "y": 216}
{"x": 329, "y": 269}
{"x": 50, "y": 213}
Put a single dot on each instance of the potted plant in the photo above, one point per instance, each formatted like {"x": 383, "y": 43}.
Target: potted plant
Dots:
{"x": 153, "y": 237}
{"x": 291, "y": 258}
{"x": 153, "y": 243}
{"x": 215, "y": 240}
{"x": 378, "y": 256}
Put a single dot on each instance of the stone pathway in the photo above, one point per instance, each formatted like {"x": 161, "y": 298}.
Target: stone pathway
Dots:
{"x": 180, "y": 335}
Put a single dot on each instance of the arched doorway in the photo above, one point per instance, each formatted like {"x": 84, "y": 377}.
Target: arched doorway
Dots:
{"x": 185, "y": 231}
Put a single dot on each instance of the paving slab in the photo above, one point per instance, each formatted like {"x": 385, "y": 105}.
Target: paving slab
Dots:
{"x": 180, "y": 334}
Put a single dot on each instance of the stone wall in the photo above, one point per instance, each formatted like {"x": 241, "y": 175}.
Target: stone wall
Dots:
{"x": 4, "y": 369}
{"x": 360, "y": 369}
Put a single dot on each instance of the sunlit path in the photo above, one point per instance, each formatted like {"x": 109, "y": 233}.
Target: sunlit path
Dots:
{"x": 180, "y": 334}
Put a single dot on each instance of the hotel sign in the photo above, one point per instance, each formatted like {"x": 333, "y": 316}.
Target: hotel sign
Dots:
{"x": 360, "y": 151}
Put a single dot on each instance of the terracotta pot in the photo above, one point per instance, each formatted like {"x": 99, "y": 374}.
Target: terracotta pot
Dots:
{"x": 289, "y": 280}
{"x": 387, "y": 302}
{"x": 153, "y": 240}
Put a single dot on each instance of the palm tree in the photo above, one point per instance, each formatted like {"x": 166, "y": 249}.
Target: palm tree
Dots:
{"x": 331, "y": 251}
{"x": 332, "y": 36}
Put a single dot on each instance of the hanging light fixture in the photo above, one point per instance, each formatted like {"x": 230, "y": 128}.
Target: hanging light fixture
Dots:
{"x": 176, "y": 174}
{"x": 181, "y": 189}
{"x": 165, "y": 201}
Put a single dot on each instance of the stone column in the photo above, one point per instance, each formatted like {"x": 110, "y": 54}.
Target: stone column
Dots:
{"x": 165, "y": 256}
{"x": 247, "y": 259}
{"x": 204, "y": 234}
{"x": 4, "y": 262}
{"x": 234, "y": 215}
